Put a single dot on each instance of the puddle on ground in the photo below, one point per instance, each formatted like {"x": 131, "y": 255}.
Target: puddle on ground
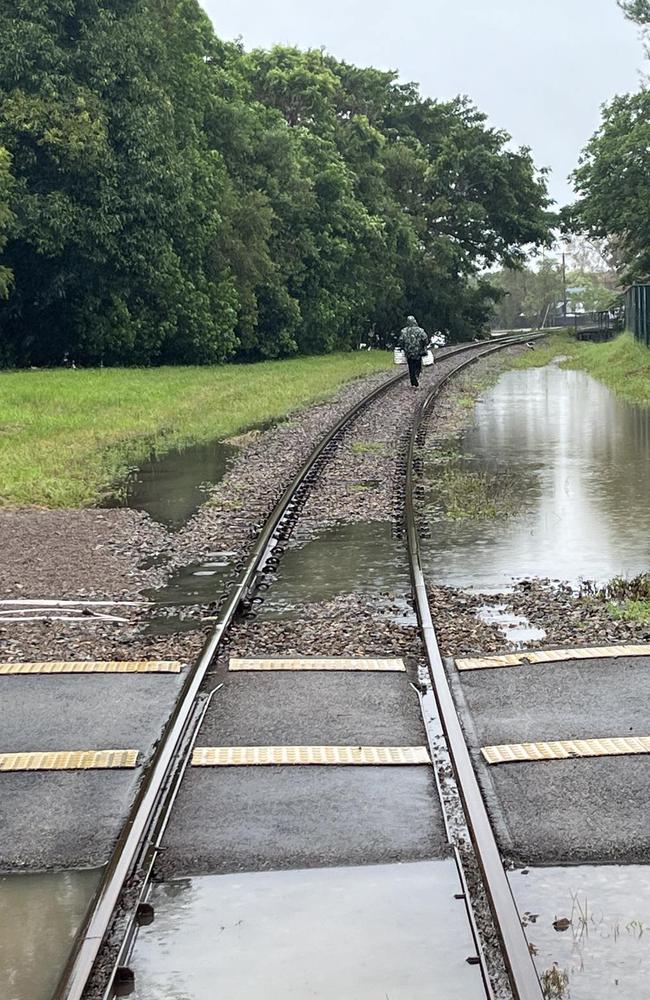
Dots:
{"x": 197, "y": 584}
{"x": 601, "y": 949}
{"x": 361, "y": 557}
{"x": 577, "y": 465}
{"x": 172, "y": 486}
{"x": 515, "y": 628}
{"x": 39, "y": 916}
{"x": 368, "y": 933}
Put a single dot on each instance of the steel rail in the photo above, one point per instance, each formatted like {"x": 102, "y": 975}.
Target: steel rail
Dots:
{"x": 519, "y": 963}
{"x": 134, "y": 840}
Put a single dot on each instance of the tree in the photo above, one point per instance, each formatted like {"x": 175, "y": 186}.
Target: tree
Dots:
{"x": 117, "y": 195}
{"x": 612, "y": 180}
{"x": 6, "y": 218}
{"x": 613, "y": 183}
{"x": 177, "y": 199}
{"x": 636, "y": 10}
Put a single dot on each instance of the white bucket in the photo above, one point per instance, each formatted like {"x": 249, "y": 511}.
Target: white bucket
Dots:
{"x": 399, "y": 358}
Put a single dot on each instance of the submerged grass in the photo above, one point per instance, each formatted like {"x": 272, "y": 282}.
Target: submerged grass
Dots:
{"x": 460, "y": 493}
{"x": 67, "y": 436}
{"x": 622, "y": 364}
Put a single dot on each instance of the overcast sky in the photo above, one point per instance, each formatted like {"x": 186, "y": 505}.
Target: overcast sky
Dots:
{"x": 538, "y": 68}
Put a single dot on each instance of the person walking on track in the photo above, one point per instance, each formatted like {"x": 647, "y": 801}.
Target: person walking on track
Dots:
{"x": 414, "y": 342}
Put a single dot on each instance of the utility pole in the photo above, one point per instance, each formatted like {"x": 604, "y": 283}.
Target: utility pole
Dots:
{"x": 564, "y": 284}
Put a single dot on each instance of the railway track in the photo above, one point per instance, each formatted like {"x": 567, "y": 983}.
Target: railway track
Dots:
{"x": 120, "y": 905}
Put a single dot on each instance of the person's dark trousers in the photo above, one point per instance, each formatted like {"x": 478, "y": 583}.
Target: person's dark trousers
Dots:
{"x": 415, "y": 370}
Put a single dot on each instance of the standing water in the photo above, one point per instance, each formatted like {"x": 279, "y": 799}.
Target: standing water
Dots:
{"x": 172, "y": 486}
{"x": 329, "y": 933}
{"x": 589, "y": 929}
{"x": 39, "y": 916}
{"x": 577, "y": 463}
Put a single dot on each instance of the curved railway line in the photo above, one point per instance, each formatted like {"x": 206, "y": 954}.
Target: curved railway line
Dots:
{"x": 106, "y": 937}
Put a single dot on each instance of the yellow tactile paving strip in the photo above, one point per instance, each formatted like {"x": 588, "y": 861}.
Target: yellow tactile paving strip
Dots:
{"x": 550, "y": 656}
{"x": 316, "y": 663}
{"x": 69, "y": 760}
{"x": 305, "y": 755}
{"x": 613, "y": 746}
{"x": 93, "y": 667}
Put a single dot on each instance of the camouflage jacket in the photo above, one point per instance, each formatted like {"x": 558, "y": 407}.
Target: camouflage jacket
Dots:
{"x": 414, "y": 341}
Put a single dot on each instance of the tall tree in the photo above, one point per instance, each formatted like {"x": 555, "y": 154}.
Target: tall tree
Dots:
{"x": 6, "y": 218}
{"x": 102, "y": 105}
{"x": 613, "y": 183}
{"x": 179, "y": 199}
{"x": 612, "y": 180}
{"x": 636, "y": 10}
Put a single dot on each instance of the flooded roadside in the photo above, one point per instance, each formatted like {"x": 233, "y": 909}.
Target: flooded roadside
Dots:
{"x": 573, "y": 461}
{"x": 171, "y": 487}
{"x": 39, "y": 916}
{"x": 588, "y": 928}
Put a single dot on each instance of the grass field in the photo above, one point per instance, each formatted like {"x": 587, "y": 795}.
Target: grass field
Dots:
{"x": 67, "y": 436}
{"x": 622, "y": 364}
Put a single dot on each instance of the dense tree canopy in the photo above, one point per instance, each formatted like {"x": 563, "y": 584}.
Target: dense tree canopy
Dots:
{"x": 637, "y": 10}
{"x": 168, "y": 197}
{"x": 613, "y": 178}
{"x": 6, "y": 218}
{"x": 613, "y": 183}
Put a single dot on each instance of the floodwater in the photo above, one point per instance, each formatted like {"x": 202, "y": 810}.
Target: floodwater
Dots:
{"x": 172, "y": 486}
{"x": 361, "y": 557}
{"x": 603, "y": 952}
{"x": 39, "y": 916}
{"x": 367, "y": 933}
{"x": 577, "y": 461}
{"x": 515, "y": 628}
{"x": 188, "y": 587}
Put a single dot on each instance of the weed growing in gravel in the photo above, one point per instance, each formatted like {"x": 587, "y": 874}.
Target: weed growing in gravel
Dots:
{"x": 367, "y": 447}
{"x": 628, "y": 599}
{"x": 443, "y": 456}
{"x": 362, "y": 487}
{"x": 621, "y": 588}
{"x": 631, "y": 611}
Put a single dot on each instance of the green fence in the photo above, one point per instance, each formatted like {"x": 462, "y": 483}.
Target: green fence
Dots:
{"x": 637, "y": 312}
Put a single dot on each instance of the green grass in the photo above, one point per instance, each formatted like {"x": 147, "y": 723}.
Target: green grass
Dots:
{"x": 67, "y": 436}
{"x": 631, "y": 611}
{"x": 553, "y": 346}
{"x": 367, "y": 447}
{"x": 622, "y": 364}
{"x": 628, "y": 598}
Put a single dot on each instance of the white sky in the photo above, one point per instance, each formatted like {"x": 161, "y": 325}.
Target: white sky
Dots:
{"x": 538, "y": 68}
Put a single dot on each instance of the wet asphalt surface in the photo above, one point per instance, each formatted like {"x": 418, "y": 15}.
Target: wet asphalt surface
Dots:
{"x": 538, "y": 809}
{"x": 251, "y": 819}
{"x": 71, "y": 819}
